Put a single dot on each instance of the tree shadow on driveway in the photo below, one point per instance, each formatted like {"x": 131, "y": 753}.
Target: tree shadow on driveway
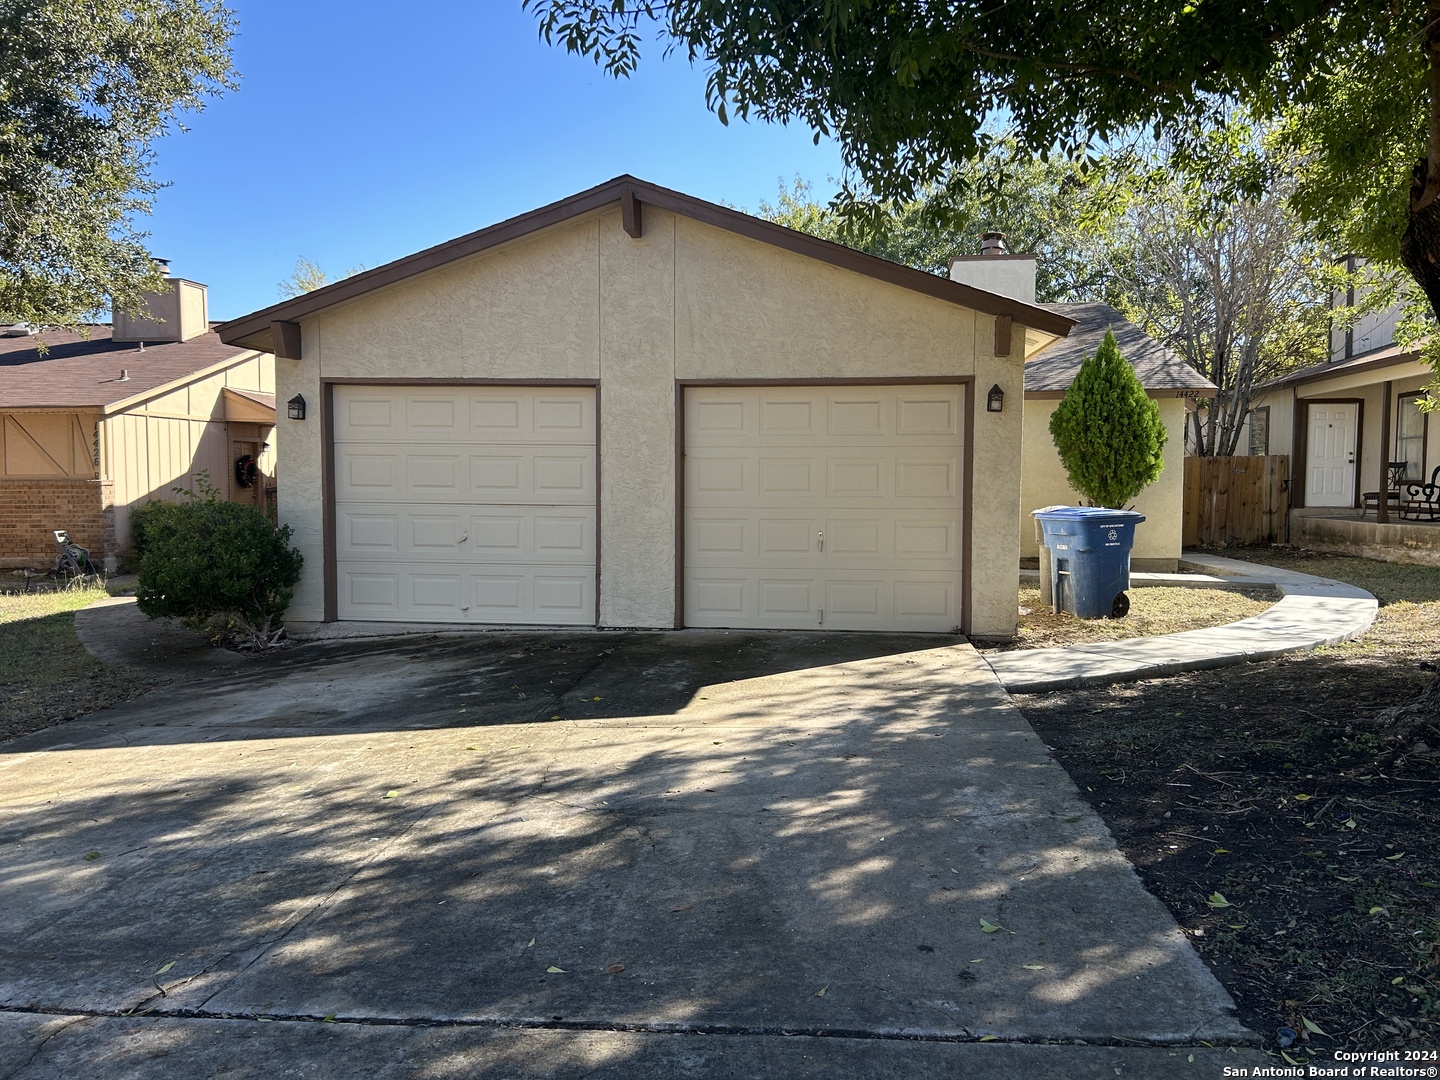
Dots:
{"x": 870, "y": 841}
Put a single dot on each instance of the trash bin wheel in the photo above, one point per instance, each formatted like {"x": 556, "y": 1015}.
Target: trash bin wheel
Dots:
{"x": 1121, "y": 606}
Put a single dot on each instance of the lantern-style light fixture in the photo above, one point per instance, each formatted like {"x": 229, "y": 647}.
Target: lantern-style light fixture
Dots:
{"x": 295, "y": 407}
{"x": 994, "y": 401}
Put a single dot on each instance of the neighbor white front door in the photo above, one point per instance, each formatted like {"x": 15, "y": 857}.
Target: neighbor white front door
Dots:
{"x": 1331, "y": 466}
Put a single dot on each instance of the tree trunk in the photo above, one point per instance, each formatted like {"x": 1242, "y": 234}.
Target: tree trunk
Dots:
{"x": 1420, "y": 255}
{"x": 1420, "y": 245}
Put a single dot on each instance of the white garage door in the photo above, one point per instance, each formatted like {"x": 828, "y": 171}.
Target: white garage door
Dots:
{"x": 824, "y": 506}
{"x": 465, "y": 504}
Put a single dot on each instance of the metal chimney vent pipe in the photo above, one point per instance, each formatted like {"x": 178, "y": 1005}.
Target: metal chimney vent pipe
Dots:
{"x": 993, "y": 243}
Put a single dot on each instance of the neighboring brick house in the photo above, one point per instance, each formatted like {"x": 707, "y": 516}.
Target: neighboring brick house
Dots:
{"x": 100, "y": 422}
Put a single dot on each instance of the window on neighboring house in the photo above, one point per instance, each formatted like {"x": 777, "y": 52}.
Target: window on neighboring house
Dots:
{"x": 1260, "y": 431}
{"x": 1410, "y": 436}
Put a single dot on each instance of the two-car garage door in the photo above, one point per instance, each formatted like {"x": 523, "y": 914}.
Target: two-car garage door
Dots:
{"x": 803, "y": 506}
{"x": 465, "y": 504}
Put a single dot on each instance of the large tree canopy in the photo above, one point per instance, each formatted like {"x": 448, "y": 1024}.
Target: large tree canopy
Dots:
{"x": 907, "y": 88}
{"x": 85, "y": 87}
{"x": 1042, "y": 206}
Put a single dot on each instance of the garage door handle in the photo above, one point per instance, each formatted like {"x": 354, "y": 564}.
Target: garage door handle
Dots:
{"x": 463, "y": 539}
{"x": 822, "y": 540}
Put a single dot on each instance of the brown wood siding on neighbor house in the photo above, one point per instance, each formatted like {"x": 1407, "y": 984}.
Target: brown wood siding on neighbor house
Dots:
{"x": 30, "y": 511}
{"x": 36, "y": 444}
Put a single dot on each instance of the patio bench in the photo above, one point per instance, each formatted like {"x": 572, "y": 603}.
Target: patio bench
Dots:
{"x": 1422, "y": 500}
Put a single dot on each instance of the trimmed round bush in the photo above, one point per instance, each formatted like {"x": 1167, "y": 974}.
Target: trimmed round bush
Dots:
{"x": 219, "y": 567}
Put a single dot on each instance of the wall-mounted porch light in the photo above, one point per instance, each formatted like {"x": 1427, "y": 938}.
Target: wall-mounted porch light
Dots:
{"x": 295, "y": 407}
{"x": 994, "y": 401}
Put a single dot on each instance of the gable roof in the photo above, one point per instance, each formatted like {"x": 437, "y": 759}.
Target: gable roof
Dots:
{"x": 254, "y": 330}
{"x": 1158, "y": 367}
{"x": 79, "y": 371}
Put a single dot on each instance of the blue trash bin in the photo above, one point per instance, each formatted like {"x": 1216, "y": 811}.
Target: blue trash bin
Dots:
{"x": 1089, "y": 558}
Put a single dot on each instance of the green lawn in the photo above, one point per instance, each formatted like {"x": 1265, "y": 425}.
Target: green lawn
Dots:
{"x": 46, "y": 676}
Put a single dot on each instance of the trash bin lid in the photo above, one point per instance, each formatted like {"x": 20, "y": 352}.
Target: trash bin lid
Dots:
{"x": 1093, "y": 514}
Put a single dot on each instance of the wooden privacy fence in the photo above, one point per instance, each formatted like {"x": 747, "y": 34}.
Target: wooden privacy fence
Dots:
{"x": 1236, "y": 500}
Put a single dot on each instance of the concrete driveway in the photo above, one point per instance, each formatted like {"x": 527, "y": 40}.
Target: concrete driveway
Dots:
{"x": 626, "y": 854}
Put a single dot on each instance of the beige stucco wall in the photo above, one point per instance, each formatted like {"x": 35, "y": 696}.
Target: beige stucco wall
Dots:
{"x": 584, "y": 300}
{"x": 1043, "y": 483}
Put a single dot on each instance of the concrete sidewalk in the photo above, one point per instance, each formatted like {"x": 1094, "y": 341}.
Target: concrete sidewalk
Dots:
{"x": 1312, "y": 611}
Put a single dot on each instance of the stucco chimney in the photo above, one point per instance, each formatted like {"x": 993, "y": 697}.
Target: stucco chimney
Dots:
{"x": 996, "y": 270}
{"x": 178, "y": 312}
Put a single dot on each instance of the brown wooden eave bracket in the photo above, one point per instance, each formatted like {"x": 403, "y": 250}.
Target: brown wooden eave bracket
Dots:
{"x": 630, "y": 214}
{"x": 285, "y": 340}
{"x": 1003, "y": 327}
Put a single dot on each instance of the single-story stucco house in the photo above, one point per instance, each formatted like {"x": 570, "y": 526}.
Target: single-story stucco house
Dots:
{"x": 1172, "y": 383}
{"x": 95, "y": 423}
{"x": 634, "y": 408}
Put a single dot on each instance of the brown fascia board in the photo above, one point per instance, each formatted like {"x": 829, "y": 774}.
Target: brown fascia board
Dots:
{"x": 1354, "y": 366}
{"x": 253, "y": 330}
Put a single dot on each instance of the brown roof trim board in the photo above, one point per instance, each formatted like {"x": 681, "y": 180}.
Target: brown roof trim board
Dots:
{"x": 1383, "y": 357}
{"x": 255, "y": 330}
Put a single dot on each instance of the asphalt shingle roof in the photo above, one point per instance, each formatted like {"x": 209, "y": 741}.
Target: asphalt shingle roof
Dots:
{"x": 84, "y": 372}
{"x": 1158, "y": 367}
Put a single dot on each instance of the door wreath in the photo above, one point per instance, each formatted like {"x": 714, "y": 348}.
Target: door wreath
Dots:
{"x": 246, "y": 471}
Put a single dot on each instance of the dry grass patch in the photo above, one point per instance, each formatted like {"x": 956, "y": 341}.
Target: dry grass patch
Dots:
{"x": 1153, "y": 611}
{"x": 46, "y": 676}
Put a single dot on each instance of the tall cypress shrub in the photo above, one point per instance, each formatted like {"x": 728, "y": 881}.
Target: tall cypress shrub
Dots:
{"x": 1108, "y": 432}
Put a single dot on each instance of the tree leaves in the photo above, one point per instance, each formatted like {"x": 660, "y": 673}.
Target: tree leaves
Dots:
{"x": 88, "y": 86}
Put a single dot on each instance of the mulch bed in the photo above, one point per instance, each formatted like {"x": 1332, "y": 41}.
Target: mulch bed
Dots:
{"x": 1292, "y": 836}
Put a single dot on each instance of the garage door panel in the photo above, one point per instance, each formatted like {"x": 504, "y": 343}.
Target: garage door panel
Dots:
{"x": 858, "y": 540}
{"x": 431, "y": 416}
{"x": 922, "y": 478}
{"x": 535, "y": 534}
{"x": 368, "y": 415}
{"x": 858, "y": 417}
{"x": 375, "y": 475}
{"x": 790, "y": 476}
{"x": 793, "y": 416}
{"x": 823, "y": 506}
{"x": 928, "y": 414}
{"x": 464, "y": 504}
{"x": 788, "y": 417}
{"x": 433, "y": 475}
{"x": 711, "y": 596}
{"x": 364, "y": 594}
{"x": 782, "y": 598}
{"x": 851, "y": 479}
{"x": 370, "y": 534}
{"x": 518, "y": 595}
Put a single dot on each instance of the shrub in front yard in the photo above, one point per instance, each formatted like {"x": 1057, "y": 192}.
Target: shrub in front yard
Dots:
{"x": 219, "y": 567}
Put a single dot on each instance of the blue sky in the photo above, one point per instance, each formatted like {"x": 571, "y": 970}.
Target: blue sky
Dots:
{"x": 364, "y": 131}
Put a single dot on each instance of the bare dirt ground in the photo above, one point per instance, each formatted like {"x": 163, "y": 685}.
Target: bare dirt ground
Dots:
{"x": 1289, "y": 830}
